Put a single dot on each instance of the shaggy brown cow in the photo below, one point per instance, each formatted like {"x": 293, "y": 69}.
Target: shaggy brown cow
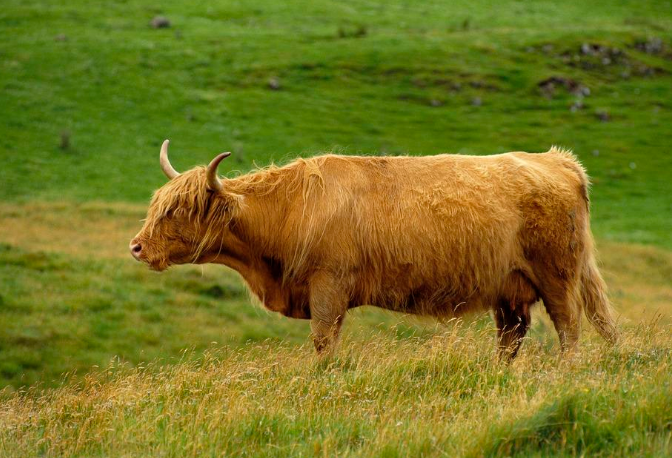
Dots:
{"x": 436, "y": 235}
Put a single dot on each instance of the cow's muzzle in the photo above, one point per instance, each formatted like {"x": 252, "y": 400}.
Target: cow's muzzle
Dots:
{"x": 136, "y": 249}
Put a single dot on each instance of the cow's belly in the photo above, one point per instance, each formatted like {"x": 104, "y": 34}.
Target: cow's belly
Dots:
{"x": 438, "y": 302}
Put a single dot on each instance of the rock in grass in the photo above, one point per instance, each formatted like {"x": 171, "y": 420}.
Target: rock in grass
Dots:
{"x": 577, "y": 105}
{"x": 548, "y": 86}
{"x": 160, "y": 22}
{"x": 650, "y": 46}
{"x": 602, "y": 115}
{"x": 65, "y": 140}
{"x": 274, "y": 84}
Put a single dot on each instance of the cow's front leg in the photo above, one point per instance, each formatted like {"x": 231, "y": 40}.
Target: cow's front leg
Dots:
{"x": 328, "y": 304}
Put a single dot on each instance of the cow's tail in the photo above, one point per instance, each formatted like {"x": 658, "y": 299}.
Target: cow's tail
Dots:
{"x": 594, "y": 297}
{"x": 592, "y": 286}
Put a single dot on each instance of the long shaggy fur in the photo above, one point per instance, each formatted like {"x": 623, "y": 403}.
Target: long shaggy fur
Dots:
{"x": 437, "y": 235}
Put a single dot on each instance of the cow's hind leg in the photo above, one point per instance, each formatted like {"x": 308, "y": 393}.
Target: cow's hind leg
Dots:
{"x": 512, "y": 325}
{"x": 562, "y": 306}
{"x": 558, "y": 288}
{"x": 512, "y": 313}
{"x": 556, "y": 244}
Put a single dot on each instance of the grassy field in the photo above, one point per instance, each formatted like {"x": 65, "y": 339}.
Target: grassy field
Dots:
{"x": 445, "y": 395}
{"x": 100, "y": 357}
{"x": 90, "y": 90}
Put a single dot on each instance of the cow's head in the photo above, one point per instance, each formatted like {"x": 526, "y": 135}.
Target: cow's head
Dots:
{"x": 187, "y": 217}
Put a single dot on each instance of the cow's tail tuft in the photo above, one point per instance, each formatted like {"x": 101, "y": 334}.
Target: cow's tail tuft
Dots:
{"x": 595, "y": 301}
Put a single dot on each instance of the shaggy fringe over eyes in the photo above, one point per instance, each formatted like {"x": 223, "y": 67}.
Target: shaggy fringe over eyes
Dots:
{"x": 188, "y": 195}
{"x": 181, "y": 194}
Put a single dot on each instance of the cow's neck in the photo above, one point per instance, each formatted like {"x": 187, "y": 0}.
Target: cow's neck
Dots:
{"x": 251, "y": 248}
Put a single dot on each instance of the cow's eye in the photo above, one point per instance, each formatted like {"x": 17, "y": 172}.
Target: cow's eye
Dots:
{"x": 170, "y": 213}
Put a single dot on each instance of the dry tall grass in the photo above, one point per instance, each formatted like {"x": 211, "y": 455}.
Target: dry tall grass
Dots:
{"x": 442, "y": 396}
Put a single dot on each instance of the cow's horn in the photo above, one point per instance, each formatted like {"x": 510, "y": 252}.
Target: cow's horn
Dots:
{"x": 213, "y": 181}
{"x": 165, "y": 163}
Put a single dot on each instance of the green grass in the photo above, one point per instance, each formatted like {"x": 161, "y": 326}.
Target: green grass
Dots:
{"x": 65, "y": 315}
{"x": 172, "y": 364}
{"x": 354, "y": 76}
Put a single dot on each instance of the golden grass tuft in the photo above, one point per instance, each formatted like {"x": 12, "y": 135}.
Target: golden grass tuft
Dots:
{"x": 437, "y": 396}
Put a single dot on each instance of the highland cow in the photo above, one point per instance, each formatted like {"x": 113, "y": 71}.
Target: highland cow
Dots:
{"x": 438, "y": 235}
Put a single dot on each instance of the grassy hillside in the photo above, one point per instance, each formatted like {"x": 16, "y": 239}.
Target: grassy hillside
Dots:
{"x": 181, "y": 363}
{"x": 439, "y": 396}
{"x": 89, "y": 91}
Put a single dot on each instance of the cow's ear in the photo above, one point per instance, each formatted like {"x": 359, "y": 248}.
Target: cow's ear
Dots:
{"x": 233, "y": 201}
{"x": 222, "y": 205}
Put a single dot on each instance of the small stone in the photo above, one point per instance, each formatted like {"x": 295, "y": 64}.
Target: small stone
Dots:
{"x": 65, "y": 140}
{"x": 576, "y": 106}
{"x": 476, "y": 101}
{"x": 602, "y": 115}
{"x": 643, "y": 70}
{"x": 654, "y": 46}
{"x": 274, "y": 84}
{"x": 61, "y": 37}
{"x": 435, "y": 103}
{"x": 596, "y": 152}
{"x": 633, "y": 166}
{"x": 160, "y": 22}
{"x": 650, "y": 46}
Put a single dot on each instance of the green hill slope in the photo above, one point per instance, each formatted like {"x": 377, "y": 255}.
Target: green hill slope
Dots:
{"x": 89, "y": 91}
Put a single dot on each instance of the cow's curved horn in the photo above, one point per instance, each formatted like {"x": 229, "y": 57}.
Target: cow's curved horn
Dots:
{"x": 165, "y": 163}
{"x": 213, "y": 181}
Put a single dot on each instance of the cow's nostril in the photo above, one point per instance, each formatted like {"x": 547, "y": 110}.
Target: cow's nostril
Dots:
{"x": 137, "y": 248}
